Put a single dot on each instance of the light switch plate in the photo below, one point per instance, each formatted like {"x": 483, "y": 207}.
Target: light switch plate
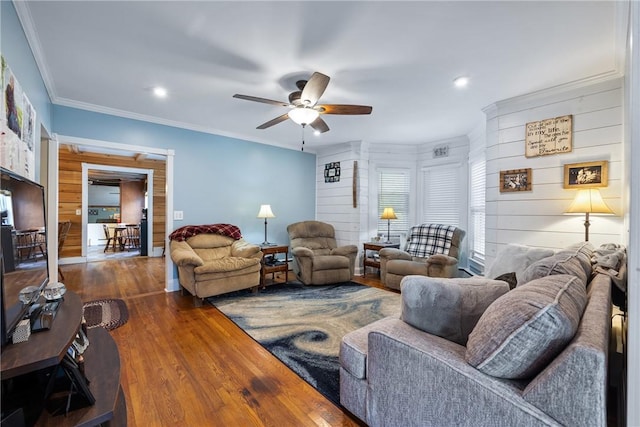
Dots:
{"x": 178, "y": 215}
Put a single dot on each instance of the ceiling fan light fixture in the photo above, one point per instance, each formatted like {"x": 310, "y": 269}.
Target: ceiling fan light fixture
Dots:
{"x": 303, "y": 115}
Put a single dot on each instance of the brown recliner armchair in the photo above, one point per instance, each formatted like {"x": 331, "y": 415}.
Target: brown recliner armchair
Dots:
{"x": 431, "y": 250}
{"x": 318, "y": 259}
{"x": 212, "y": 264}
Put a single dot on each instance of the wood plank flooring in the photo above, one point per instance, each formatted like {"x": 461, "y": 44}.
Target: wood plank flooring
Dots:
{"x": 188, "y": 366}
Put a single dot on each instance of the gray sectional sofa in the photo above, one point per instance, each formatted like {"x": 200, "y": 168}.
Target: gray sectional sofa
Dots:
{"x": 534, "y": 356}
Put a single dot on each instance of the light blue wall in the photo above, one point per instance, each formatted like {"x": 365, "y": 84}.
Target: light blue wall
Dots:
{"x": 16, "y": 51}
{"x": 216, "y": 179}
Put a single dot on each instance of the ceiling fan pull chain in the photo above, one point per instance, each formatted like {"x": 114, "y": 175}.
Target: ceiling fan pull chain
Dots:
{"x": 303, "y": 125}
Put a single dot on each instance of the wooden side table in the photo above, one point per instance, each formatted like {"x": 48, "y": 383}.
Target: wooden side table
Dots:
{"x": 370, "y": 250}
{"x": 278, "y": 265}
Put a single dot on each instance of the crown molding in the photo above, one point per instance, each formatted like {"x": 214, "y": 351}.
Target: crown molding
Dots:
{"x": 496, "y": 108}
{"x": 65, "y": 102}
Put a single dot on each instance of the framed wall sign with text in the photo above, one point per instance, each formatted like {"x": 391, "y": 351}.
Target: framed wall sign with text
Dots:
{"x": 550, "y": 136}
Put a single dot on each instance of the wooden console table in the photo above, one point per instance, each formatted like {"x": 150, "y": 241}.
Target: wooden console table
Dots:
{"x": 278, "y": 266}
{"x": 102, "y": 366}
{"x": 372, "y": 248}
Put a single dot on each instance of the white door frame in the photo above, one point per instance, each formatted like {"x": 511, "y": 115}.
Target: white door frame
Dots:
{"x": 86, "y": 167}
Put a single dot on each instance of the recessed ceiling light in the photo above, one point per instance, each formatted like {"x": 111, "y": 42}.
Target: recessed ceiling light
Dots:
{"x": 160, "y": 92}
{"x": 316, "y": 132}
{"x": 461, "y": 81}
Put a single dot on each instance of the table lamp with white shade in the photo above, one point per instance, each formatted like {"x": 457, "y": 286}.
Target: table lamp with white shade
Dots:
{"x": 388, "y": 214}
{"x": 265, "y": 212}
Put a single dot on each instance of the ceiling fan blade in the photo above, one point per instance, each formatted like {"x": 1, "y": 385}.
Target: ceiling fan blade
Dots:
{"x": 345, "y": 109}
{"x": 275, "y": 121}
{"x": 319, "y": 125}
{"x": 314, "y": 89}
{"x": 263, "y": 100}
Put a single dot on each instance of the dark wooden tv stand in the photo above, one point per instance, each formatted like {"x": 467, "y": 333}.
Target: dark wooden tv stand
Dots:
{"x": 102, "y": 366}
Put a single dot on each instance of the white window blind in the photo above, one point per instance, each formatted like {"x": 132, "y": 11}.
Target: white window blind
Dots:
{"x": 477, "y": 185}
{"x": 441, "y": 203}
{"x": 393, "y": 192}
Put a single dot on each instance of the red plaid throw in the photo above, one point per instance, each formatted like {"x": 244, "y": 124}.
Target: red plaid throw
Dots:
{"x": 183, "y": 233}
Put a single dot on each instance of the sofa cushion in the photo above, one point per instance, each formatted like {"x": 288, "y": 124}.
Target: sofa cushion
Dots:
{"x": 448, "y": 308}
{"x": 575, "y": 260}
{"x": 523, "y": 330}
{"x": 516, "y": 258}
{"x": 226, "y": 265}
{"x": 330, "y": 262}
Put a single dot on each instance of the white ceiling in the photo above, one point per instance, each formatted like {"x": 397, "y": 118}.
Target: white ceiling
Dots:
{"x": 399, "y": 57}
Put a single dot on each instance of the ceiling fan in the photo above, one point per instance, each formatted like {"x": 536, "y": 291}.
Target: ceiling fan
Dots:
{"x": 304, "y": 107}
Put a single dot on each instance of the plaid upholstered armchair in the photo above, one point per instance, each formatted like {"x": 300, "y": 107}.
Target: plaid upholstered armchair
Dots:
{"x": 431, "y": 250}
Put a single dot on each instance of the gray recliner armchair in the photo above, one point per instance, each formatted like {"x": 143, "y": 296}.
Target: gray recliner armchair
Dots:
{"x": 431, "y": 250}
{"x": 318, "y": 259}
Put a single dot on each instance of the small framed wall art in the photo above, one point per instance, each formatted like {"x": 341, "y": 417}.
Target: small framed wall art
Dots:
{"x": 515, "y": 180}
{"x": 586, "y": 175}
{"x": 332, "y": 172}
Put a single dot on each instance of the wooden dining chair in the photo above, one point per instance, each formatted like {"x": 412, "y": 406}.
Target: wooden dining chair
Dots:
{"x": 63, "y": 231}
{"x": 24, "y": 244}
{"x": 108, "y": 237}
{"x": 133, "y": 236}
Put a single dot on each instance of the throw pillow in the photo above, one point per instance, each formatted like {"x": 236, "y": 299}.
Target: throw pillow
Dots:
{"x": 584, "y": 252}
{"x": 564, "y": 262}
{"x": 448, "y": 308}
{"x": 510, "y": 278}
{"x": 522, "y": 331}
{"x": 516, "y": 258}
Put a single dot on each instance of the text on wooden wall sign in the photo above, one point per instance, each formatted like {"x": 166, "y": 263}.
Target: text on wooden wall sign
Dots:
{"x": 550, "y": 136}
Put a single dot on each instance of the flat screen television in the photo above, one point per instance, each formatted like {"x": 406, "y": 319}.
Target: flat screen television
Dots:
{"x": 23, "y": 248}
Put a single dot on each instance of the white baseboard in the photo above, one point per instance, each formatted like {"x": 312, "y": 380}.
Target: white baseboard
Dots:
{"x": 172, "y": 285}
{"x": 73, "y": 260}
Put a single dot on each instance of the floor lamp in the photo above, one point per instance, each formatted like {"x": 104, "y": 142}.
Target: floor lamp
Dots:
{"x": 265, "y": 212}
{"x": 586, "y": 202}
{"x": 388, "y": 214}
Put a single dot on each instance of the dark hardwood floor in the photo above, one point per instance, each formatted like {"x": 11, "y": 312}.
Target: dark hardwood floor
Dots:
{"x": 190, "y": 366}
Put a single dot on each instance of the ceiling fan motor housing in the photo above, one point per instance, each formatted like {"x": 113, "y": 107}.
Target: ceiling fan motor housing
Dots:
{"x": 294, "y": 98}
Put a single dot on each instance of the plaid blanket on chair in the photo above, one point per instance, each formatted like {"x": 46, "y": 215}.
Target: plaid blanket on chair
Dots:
{"x": 183, "y": 233}
{"x": 429, "y": 239}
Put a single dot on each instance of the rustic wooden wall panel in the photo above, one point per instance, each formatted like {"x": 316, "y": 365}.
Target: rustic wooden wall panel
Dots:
{"x": 70, "y": 193}
{"x": 131, "y": 201}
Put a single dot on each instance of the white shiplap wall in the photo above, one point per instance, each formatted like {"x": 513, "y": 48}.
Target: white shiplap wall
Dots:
{"x": 535, "y": 218}
{"x": 334, "y": 201}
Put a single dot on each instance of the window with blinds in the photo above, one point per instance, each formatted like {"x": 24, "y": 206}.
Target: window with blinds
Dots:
{"x": 393, "y": 192}
{"x": 477, "y": 185}
{"x": 442, "y": 192}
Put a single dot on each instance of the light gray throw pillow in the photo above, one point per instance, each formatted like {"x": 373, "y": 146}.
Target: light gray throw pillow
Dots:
{"x": 448, "y": 308}
{"x": 515, "y": 258}
{"x": 574, "y": 260}
{"x": 522, "y": 331}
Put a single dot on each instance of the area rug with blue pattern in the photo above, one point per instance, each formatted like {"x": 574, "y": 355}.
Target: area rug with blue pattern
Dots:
{"x": 303, "y": 325}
